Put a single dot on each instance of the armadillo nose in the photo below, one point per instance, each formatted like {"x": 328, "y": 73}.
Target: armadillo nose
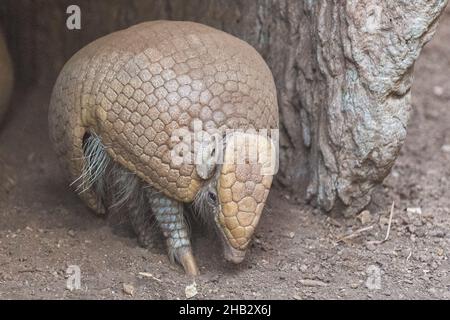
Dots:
{"x": 233, "y": 255}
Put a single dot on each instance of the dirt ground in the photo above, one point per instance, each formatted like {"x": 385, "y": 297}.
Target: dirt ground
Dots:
{"x": 298, "y": 252}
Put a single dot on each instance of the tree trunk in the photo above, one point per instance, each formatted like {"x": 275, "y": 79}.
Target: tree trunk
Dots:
{"x": 6, "y": 76}
{"x": 343, "y": 70}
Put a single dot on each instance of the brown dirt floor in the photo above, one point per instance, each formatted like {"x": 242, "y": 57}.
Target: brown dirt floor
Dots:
{"x": 298, "y": 252}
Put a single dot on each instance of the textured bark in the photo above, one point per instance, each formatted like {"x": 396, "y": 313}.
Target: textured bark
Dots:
{"x": 343, "y": 70}
{"x": 6, "y": 76}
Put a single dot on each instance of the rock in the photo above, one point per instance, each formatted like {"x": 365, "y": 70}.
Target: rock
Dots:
{"x": 71, "y": 233}
{"x": 289, "y": 235}
{"x": 365, "y": 217}
{"x": 446, "y": 148}
{"x": 128, "y": 289}
{"x": 438, "y": 91}
{"x": 417, "y": 210}
{"x": 296, "y": 297}
{"x": 191, "y": 290}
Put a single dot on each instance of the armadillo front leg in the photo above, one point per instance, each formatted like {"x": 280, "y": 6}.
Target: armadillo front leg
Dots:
{"x": 169, "y": 215}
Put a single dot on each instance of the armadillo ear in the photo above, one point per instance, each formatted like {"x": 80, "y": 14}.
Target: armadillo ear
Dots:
{"x": 207, "y": 156}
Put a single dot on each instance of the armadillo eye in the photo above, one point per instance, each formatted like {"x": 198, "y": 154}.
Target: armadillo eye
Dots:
{"x": 212, "y": 197}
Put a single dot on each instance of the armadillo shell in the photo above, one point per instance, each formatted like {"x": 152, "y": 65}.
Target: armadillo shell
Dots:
{"x": 135, "y": 87}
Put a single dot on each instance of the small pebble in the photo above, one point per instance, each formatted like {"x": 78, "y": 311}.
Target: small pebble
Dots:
{"x": 128, "y": 289}
{"x": 365, "y": 217}
{"x": 438, "y": 91}
{"x": 191, "y": 290}
{"x": 446, "y": 148}
{"x": 417, "y": 210}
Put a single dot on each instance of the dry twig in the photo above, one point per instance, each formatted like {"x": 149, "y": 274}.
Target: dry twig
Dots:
{"x": 355, "y": 234}
{"x": 388, "y": 229}
{"x": 149, "y": 275}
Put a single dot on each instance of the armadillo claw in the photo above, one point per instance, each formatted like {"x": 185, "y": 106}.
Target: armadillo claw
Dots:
{"x": 187, "y": 260}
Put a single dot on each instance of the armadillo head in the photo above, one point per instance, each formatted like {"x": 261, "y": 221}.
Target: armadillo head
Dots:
{"x": 237, "y": 191}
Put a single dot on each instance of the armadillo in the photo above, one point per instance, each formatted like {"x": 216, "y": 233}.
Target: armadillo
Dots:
{"x": 6, "y": 76}
{"x": 116, "y": 113}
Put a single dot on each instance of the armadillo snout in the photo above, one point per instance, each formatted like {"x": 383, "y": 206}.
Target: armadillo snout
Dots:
{"x": 242, "y": 190}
